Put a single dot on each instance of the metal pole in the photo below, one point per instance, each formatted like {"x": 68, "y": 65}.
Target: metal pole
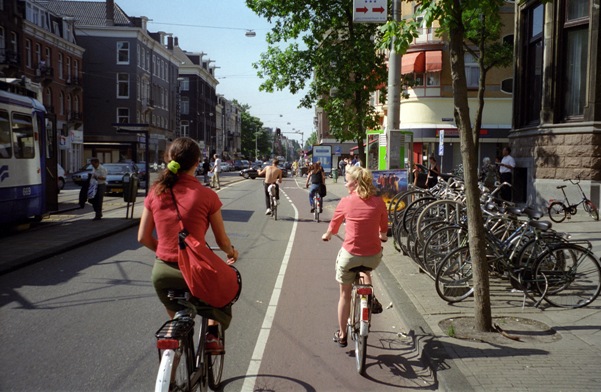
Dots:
{"x": 393, "y": 120}
{"x": 146, "y": 157}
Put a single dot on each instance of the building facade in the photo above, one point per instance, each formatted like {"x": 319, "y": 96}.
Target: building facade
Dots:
{"x": 557, "y": 124}
{"x": 40, "y": 47}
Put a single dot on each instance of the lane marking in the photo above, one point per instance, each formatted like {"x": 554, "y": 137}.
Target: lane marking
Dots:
{"x": 255, "y": 361}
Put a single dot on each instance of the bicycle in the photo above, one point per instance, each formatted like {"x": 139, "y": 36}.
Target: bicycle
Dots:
{"x": 317, "y": 207}
{"x": 273, "y": 203}
{"x": 360, "y": 316}
{"x": 558, "y": 210}
{"x": 181, "y": 367}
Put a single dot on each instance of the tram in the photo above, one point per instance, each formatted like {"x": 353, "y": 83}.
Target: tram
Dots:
{"x": 22, "y": 158}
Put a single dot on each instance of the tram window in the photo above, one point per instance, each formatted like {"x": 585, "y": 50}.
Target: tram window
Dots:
{"x": 23, "y": 143}
{"x": 5, "y": 143}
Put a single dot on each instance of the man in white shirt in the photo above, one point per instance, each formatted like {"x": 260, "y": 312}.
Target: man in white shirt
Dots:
{"x": 99, "y": 173}
{"x": 506, "y": 167}
{"x": 216, "y": 171}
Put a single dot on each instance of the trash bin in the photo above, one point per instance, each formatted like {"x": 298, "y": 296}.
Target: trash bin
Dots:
{"x": 335, "y": 175}
{"x": 130, "y": 187}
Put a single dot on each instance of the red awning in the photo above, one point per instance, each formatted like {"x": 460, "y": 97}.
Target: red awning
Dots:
{"x": 434, "y": 61}
{"x": 412, "y": 62}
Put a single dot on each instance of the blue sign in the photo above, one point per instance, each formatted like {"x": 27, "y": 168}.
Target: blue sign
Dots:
{"x": 323, "y": 154}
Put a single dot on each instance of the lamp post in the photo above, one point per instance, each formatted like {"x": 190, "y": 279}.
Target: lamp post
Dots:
{"x": 256, "y": 149}
{"x": 207, "y": 145}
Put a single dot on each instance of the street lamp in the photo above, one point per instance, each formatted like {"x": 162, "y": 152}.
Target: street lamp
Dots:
{"x": 204, "y": 114}
{"x": 256, "y": 149}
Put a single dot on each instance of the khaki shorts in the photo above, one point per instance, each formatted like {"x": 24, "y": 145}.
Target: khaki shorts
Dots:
{"x": 167, "y": 276}
{"x": 345, "y": 261}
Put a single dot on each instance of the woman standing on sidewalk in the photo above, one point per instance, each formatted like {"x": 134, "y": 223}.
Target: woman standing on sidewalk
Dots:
{"x": 200, "y": 208}
{"x": 366, "y": 219}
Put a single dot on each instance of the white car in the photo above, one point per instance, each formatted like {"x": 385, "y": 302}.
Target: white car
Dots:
{"x": 60, "y": 177}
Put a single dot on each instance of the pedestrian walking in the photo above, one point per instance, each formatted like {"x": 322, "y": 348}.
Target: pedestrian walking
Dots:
{"x": 99, "y": 174}
{"x": 216, "y": 171}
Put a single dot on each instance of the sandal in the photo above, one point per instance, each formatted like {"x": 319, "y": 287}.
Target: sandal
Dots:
{"x": 341, "y": 341}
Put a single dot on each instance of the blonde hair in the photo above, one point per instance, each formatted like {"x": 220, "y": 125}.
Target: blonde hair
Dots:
{"x": 364, "y": 179}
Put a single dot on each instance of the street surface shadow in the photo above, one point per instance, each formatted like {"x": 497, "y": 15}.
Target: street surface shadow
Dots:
{"x": 236, "y": 215}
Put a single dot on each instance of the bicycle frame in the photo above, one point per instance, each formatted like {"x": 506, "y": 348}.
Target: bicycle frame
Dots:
{"x": 360, "y": 317}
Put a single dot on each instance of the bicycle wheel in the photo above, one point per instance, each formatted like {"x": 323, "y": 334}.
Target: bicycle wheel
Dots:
{"x": 177, "y": 363}
{"x": 317, "y": 205}
{"x": 274, "y": 208}
{"x": 572, "y": 274}
{"x": 360, "y": 341}
{"x": 216, "y": 365}
{"x": 557, "y": 212}
{"x": 591, "y": 209}
{"x": 454, "y": 278}
{"x": 440, "y": 243}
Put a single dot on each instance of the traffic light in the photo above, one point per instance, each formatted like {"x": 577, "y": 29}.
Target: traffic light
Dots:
{"x": 278, "y": 131}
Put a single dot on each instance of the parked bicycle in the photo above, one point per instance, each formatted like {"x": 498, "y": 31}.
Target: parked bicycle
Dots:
{"x": 182, "y": 367}
{"x": 273, "y": 203}
{"x": 559, "y": 210}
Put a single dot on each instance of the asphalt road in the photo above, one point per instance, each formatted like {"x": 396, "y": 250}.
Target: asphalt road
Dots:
{"x": 85, "y": 320}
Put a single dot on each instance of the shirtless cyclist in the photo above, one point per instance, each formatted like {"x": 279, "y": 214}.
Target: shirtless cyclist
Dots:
{"x": 273, "y": 175}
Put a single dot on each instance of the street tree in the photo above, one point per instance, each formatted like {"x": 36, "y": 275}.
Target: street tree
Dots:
{"x": 314, "y": 46}
{"x": 472, "y": 26}
{"x": 251, "y": 128}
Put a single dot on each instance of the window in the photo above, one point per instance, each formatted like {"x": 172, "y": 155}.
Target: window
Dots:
{"x": 48, "y": 98}
{"x": 2, "y": 54}
{"x": 184, "y": 128}
{"x": 76, "y": 104}
{"x": 76, "y": 69}
{"x": 38, "y": 54}
{"x": 122, "y": 52}
{"x": 28, "y": 53}
{"x": 69, "y": 104}
{"x": 14, "y": 42}
{"x": 122, "y": 85}
{"x": 138, "y": 56}
{"x": 68, "y": 69}
{"x": 154, "y": 65}
{"x": 185, "y": 84}
{"x": 575, "y": 59}
{"x": 22, "y": 133}
{"x": 472, "y": 70}
{"x": 61, "y": 103}
{"x": 60, "y": 66}
{"x": 531, "y": 83}
{"x": 185, "y": 106}
{"x": 48, "y": 57}
{"x": 6, "y": 148}
{"x": 433, "y": 79}
{"x": 123, "y": 115}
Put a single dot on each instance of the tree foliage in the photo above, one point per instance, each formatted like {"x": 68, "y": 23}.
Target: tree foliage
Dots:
{"x": 252, "y": 127}
{"x": 315, "y": 45}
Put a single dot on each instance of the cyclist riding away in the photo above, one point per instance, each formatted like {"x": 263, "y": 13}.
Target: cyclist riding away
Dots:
{"x": 200, "y": 208}
{"x": 273, "y": 175}
{"x": 316, "y": 177}
{"x": 366, "y": 220}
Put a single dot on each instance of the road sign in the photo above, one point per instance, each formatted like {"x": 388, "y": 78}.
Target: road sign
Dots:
{"x": 441, "y": 142}
{"x": 370, "y": 11}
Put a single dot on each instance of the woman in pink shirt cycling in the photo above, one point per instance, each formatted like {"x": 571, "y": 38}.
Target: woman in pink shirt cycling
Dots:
{"x": 366, "y": 219}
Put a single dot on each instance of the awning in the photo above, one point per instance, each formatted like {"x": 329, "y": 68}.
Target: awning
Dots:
{"x": 412, "y": 62}
{"x": 434, "y": 61}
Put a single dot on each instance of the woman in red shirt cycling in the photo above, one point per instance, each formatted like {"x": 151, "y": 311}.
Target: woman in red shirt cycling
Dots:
{"x": 200, "y": 208}
{"x": 366, "y": 224}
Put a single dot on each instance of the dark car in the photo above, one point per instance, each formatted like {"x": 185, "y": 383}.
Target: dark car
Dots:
{"x": 81, "y": 176}
{"x": 115, "y": 173}
{"x": 254, "y": 173}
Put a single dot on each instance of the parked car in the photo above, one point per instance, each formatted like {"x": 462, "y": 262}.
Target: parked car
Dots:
{"x": 253, "y": 172}
{"x": 115, "y": 173}
{"x": 81, "y": 176}
{"x": 60, "y": 177}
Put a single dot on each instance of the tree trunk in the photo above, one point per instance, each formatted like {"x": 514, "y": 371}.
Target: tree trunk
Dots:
{"x": 469, "y": 155}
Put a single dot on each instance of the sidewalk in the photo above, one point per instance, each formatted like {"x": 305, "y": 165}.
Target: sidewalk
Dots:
{"x": 565, "y": 359}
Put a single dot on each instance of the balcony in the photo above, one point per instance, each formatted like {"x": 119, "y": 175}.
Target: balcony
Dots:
{"x": 73, "y": 84}
{"x": 147, "y": 105}
{"x": 44, "y": 74}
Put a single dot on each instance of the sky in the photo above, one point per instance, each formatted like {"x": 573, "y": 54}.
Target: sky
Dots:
{"x": 218, "y": 27}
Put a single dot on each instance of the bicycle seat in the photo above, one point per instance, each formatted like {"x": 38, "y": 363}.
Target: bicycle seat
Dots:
{"x": 532, "y": 213}
{"x": 361, "y": 268}
{"x": 541, "y": 225}
{"x": 561, "y": 186}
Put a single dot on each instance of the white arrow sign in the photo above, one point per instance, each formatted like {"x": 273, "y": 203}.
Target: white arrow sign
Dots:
{"x": 370, "y": 11}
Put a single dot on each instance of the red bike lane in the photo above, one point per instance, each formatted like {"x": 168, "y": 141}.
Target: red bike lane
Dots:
{"x": 299, "y": 353}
